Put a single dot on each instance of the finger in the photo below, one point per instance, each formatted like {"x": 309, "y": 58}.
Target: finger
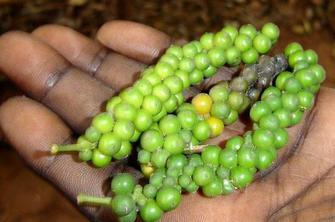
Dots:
{"x": 32, "y": 131}
{"x": 135, "y": 40}
{"x": 313, "y": 158}
{"x": 81, "y": 51}
{"x": 46, "y": 76}
{"x": 112, "y": 68}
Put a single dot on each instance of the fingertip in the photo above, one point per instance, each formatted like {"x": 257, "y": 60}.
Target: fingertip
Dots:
{"x": 10, "y": 38}
{"x": 11, "y": 35}
{"x": 134, "y": 40}
{"x": 45, "y": 29}
{"x": 32, "y": 130}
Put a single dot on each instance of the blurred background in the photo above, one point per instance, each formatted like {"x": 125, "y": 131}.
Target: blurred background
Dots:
{"x": 27, "y": 197}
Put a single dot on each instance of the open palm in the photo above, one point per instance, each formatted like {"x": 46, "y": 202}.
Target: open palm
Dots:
{"x": 68, "y": 77}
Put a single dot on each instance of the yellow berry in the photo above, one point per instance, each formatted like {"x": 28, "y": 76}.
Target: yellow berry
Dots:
{"x": 147, "y": 170}
{"x": 216, "y": 126}
{"x": 202, "y": 103}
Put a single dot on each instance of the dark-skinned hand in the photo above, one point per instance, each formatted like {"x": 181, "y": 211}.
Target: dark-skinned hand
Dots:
{"x": 67, "y": 77}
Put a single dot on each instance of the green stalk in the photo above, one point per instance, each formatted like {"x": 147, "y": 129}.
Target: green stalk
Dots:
{"x": 194, "y": 149}
{"x": 93, "y": 200}
{"x": 138, "y": 195}
{"x": 66, "y": 148}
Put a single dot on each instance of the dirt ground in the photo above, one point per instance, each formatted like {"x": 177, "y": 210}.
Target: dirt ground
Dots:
{"x": 25, "y": 196}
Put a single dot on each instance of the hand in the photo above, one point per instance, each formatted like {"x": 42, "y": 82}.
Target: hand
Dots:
{"x": 70, "y": 76}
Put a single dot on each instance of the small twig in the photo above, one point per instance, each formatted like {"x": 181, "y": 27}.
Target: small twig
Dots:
{"x": 194, "y": 149}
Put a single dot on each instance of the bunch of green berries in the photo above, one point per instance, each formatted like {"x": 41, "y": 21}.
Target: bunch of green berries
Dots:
{"x": 153, "y": 116}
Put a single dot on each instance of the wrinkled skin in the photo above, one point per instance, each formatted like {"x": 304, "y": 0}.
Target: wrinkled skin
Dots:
{"x": 67, "y": 78}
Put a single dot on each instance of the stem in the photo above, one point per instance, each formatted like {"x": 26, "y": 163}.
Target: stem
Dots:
{"x": 92, "y": 200}
{"x": 194, "y": 149}
{"x": 138, "y": 196}
{"x": 140, "y": 199}
{"x": 65, "y": 148}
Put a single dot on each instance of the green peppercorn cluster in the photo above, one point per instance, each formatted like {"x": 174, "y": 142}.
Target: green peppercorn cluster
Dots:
{"x": 175, "y": 132}
{"x": 153, "y": 113}
{"x": 180, "y": 133}
{"x": 159, "y": 91}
